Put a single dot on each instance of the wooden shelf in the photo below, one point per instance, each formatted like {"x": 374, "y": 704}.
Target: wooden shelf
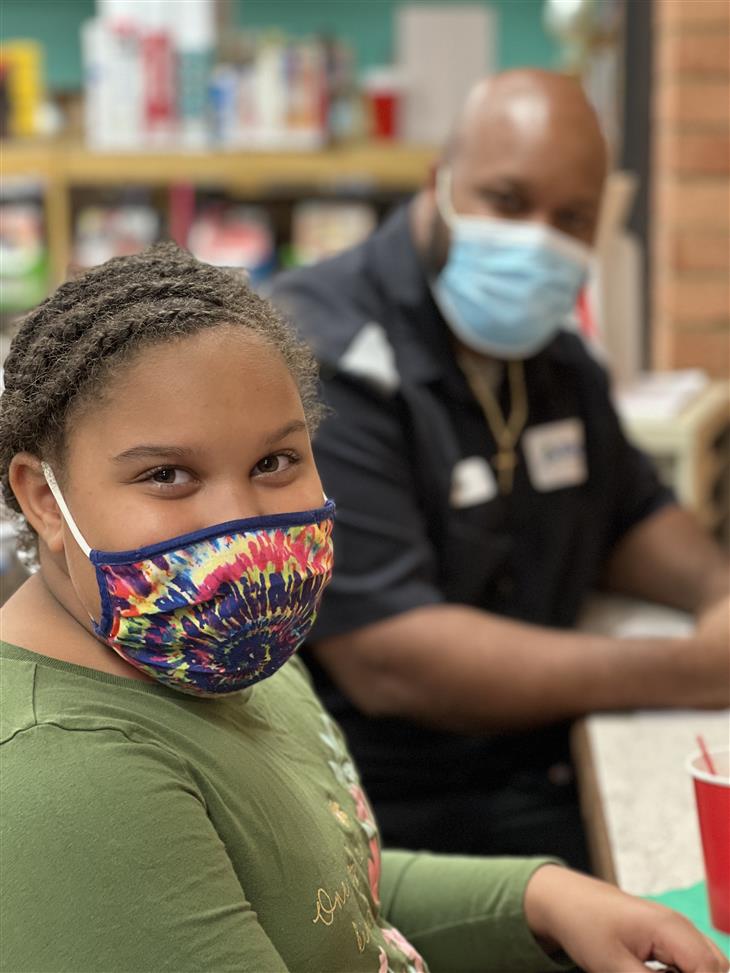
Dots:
{"x": 63, "y": 165}
{"x": 386, "y": 166}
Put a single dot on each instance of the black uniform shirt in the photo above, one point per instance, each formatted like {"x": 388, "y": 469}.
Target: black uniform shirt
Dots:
{"x": 419, "y": 521}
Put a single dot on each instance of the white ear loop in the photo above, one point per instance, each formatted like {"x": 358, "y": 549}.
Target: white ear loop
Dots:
{"x": 443, "y": 195}
{"x": 58, "y": 497}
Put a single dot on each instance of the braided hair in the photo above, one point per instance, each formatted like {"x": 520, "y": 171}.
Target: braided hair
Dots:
{"x": 69, "y": 345}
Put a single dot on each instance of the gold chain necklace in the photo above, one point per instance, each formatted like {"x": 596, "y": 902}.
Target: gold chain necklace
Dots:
{"x": 506, "y": 432}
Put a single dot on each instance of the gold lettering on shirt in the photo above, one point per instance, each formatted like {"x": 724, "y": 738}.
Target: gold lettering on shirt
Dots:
{"x": 327, "y": 905}
{"x": 341, "y": 815}
{"x": 353, "y": 875}
{"x": 362, "y": 934}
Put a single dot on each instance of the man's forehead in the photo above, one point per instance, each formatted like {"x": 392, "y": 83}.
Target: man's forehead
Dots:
{"x": 524, "y": 91}
{"x": 525, "y": 139}
{"x": 523, "y": 113}
{"x": 529, "y": 118}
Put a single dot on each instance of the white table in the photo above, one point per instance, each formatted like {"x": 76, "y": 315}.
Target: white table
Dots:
{"x": 637, "y": 796}
{"x": 646, "y": 826}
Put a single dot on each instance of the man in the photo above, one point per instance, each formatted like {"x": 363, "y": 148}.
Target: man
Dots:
{"x": 484, "y": 487}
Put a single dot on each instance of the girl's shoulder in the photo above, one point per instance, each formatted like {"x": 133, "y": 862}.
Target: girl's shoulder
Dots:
{"x": 40, "y": 690}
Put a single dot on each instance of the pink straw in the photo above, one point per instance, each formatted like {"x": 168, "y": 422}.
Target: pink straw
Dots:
{"x": 706, "y": 754}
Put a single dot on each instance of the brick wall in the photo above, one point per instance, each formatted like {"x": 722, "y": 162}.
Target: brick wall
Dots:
{"x": 690, "y": 214}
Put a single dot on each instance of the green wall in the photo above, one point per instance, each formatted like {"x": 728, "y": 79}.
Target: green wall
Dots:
{"x": 366, "y": 24}
{"x": 55, "y": 23}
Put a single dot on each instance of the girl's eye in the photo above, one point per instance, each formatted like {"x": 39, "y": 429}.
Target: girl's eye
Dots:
{"x": 275, "y": 463}
{"x": 170, "y": 476}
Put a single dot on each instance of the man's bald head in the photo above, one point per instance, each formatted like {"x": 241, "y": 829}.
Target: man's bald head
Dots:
{"x": 542, "y": 110}
{"x": 526, "y": 146}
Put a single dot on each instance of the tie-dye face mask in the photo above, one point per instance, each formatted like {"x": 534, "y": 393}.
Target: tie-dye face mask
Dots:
{"x": 214, "y": 611}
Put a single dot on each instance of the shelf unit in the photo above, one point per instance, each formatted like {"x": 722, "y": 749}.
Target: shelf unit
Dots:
{"x": 692, "y": 453}
{"x": 62, "y": 166}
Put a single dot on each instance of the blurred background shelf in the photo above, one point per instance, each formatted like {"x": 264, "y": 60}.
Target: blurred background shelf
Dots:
{"x": 390, "y": 166}
{"x": 63, "y": 169}
{"x": 290, "y": 129}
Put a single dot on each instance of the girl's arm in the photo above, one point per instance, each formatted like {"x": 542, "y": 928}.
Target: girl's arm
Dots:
{"x": 471, "y": 915}
{"x": 465, "y": 915}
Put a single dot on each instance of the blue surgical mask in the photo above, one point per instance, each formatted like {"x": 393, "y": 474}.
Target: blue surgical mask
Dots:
{"x": 508, "y": 286}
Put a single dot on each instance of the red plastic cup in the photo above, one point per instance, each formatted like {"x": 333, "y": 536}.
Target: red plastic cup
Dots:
{"x": 383, "y": 89}
{"x": 712, "y": 792}
{"x": 384, "y": 106}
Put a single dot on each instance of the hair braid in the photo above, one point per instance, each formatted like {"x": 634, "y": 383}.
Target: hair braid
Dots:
{"x": 67, "y": 346}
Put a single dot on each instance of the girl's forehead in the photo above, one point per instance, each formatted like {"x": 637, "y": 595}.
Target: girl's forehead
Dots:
{"x": 204, "y": 351}
{"x": 222, "y": 374}
{"x": 205, "y": 343}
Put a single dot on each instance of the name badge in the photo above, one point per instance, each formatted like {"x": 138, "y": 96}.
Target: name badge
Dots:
{"x": 555, "y": 454}
{"x": 472, "y": 482}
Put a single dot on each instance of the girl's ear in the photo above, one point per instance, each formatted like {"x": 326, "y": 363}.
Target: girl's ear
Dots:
{"x": 36, "y": 500}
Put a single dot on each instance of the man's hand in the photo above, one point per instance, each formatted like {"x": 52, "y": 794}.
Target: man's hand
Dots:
{"x": 603, "y": 930}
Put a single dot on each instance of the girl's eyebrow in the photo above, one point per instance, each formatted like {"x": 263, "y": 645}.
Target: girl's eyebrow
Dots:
{"x": 154, "y": 451}
{"x": 146, "y": 452}
{"x": 296, "y": 425}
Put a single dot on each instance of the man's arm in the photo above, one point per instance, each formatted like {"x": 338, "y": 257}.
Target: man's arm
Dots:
{"x": 462, "y": 669}
{"x": 396, "y": 649}
{"x": 669, "y": 559}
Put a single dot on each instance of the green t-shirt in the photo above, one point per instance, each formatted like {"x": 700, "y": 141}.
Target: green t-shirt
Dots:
{"x": 145, "y": 830}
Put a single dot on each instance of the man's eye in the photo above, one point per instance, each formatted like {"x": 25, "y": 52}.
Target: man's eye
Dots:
{"x": 170, "y": 476}
{"x": 509, "y": 204}
{"x": 576, "y": 222}
{"x": 275, "y": 463}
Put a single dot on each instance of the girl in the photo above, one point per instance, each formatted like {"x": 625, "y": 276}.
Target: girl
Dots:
{"x": 166, "y": 804}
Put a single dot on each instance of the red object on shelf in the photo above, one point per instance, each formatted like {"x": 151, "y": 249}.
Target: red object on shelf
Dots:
{"x": 383, "y": 88}
{"x": 182, "y": 212}
{"x": 384, "y": 106}
{"x": 158, "y": 67}
{"x": 586, "y": 318}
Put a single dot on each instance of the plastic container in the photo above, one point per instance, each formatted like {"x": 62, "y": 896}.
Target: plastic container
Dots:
{"x": 383, "y": 90}
{"x": 712, "y": 793}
